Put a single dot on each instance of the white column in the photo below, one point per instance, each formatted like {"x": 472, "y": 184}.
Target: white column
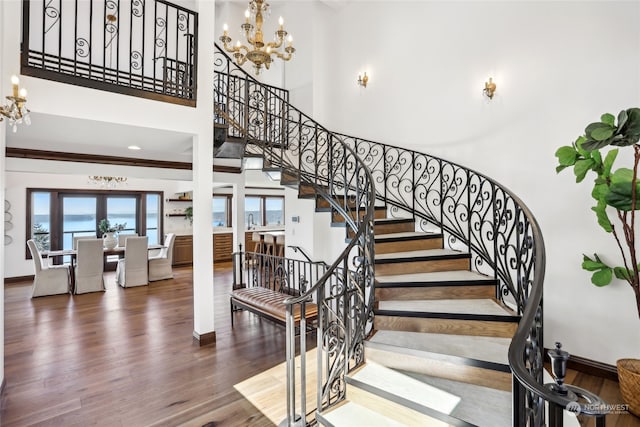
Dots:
{"x": 203, "y": 280}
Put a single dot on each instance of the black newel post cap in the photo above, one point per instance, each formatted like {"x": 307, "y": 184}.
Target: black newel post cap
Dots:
{"x": 559, "y": 360}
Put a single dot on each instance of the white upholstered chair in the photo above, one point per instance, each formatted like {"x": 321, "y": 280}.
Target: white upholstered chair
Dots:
{"x": 76, "y": 239}
{"x": 89, "y": 266}
{"x": 122, "y": 238}
{"x": 160, "y": 264}
{"x": 48, "y": 279}
{"x": 132, "y": 270}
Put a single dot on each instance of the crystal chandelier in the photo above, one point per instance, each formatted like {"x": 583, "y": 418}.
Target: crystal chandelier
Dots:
{"x": 15, "y": 111}
{"x": 107, "y": 181}
{"x": 260, "y": 52}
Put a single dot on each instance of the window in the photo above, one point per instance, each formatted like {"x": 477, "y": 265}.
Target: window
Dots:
{"x": 221, "y": 211}
{"x": 274, "y": 210}
{"x": 263, "y": 210}
{"x": 253, "y": 211}
{"x": 55, "y": 217}
{"x": 41, "y": 220}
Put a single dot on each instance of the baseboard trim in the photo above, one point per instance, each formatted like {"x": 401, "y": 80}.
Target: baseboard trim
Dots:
{"x": 204, "y": 339}
{"x": 18, "y": 279}
{"x": 591, "y": 367}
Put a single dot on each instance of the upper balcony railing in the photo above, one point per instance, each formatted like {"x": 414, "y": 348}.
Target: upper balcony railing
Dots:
{"x": 144, "y": 48}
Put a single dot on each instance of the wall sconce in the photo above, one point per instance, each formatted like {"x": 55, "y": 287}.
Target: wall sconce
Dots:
{"x": 363, "y": 79}
{"x": 489, "y": 88}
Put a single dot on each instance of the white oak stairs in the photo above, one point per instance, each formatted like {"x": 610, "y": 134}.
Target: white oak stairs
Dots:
{"x": 438, "y": 352}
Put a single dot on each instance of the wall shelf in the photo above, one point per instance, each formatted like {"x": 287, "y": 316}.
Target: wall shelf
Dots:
{"x": 178, "y": 200}
{"x": 175, "y": 214}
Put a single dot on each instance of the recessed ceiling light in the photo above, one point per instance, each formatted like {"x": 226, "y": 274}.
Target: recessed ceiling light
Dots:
{"x": 133, "y": 147}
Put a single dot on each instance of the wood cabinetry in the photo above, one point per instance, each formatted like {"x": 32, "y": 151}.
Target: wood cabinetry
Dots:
{"x": 183, "y": 249}
{"x": 222, "y": 247}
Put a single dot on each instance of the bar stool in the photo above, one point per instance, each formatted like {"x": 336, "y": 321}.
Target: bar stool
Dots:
{"x": 269, "y": 244}
{"x": 259, "y": 244}
{"x": 280, "y": 245}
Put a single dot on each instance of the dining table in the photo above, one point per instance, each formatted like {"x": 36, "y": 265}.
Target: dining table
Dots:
{"x": 73, "y": 253}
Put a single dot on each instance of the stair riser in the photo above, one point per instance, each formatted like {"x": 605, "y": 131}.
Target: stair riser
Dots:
{"x": 435, "y": 292}
{"x": 482, "y": 328}
{"x": 426, "y": 266}
{"x": 409, "y": 245}
{"x": 306, "y": 191}
{"x": 322, "y": 203}
{"x": 438, "y": 368}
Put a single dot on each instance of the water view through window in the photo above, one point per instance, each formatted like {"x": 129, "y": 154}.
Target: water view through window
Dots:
{"x": 81, "y": 213}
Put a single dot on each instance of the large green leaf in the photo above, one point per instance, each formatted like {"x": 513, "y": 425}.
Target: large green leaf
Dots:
{"x": 622, "y": 273}
{"x": 602, "y": 277}
{"x": 582, "y": 167}
{"x": 619, "y": 196}
{"x": 566, "y": 155}
{"x": 591, "y": 144}
{"x": 608, "y": 161}
{"x": 632, "y": 125}
{"x": 622, "y": 119}
{"x": 592, "y": 264}
{"x": 608, "y": 119}
{"x": 602, "y": 133}
{"x": 601, "y": 213}
{"x": 622, "y": 175}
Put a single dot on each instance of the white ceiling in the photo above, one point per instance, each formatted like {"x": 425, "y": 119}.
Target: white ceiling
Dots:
{"x": 56, "y": 133}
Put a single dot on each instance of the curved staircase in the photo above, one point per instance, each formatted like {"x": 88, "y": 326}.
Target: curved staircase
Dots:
{"x": 415, "y": 326}
{"x": 438, "y": 351}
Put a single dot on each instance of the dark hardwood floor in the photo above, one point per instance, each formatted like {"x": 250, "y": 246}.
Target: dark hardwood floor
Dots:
{"x": 125, "y": 357}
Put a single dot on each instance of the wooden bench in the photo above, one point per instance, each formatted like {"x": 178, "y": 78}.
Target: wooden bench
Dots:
{"x": 269, "y": 304}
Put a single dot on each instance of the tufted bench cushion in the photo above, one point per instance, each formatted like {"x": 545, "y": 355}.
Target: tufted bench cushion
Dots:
{"x": 269, "y": 303}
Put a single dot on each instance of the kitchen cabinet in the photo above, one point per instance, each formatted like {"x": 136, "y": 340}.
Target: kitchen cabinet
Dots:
{"x": 183, "y": 249}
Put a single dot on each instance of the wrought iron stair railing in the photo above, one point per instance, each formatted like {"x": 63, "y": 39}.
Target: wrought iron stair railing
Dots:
{"x": 475, "y": 213}
{"x": 320, "y": 164}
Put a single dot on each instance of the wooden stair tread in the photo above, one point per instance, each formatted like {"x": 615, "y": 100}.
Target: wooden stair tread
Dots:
{"x": 425, "y": 253}
{"x": 488, "y": 349}
{"x": 477, "y": 307}
{"x": 436, "y": 277}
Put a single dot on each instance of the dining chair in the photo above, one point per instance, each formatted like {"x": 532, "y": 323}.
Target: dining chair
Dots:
{"x": 132, "y": 270}
{"x": 76, "y": 239}
{"x": 122, "y": 238}
{"x": 48, "y": 279}
{"x": 160, "y": 265}
{"x": 89, "y": 266}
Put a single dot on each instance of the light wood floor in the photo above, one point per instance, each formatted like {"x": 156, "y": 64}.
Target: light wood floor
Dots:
{"x": 126, "y": 357}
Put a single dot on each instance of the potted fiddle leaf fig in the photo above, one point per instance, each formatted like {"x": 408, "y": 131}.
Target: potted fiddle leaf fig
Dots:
{"x": 617, "y": 196}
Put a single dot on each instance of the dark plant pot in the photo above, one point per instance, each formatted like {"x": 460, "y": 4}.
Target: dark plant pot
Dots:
{"x": 629, "y": 379}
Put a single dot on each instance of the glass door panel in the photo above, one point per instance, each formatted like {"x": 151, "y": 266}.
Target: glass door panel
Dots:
{"x": 79, "y": 218}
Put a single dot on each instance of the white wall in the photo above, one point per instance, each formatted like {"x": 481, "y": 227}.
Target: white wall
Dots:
{"x": 557, "y": 65}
